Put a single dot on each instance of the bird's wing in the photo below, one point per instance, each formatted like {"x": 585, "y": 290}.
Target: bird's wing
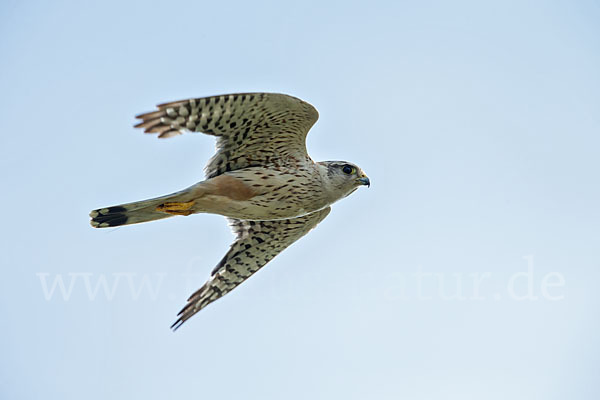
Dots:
{"x": 256, "y": 244}
{"x": 252, "y": 129}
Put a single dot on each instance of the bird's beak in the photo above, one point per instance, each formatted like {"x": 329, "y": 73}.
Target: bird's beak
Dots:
{"x": 364, "y": 181}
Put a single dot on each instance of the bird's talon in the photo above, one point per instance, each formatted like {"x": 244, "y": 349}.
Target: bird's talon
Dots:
{"x": 176, "y": 208}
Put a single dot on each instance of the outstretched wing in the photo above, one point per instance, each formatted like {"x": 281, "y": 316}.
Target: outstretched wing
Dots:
{"x": 256, "y": 244}
{"x": 252, "y": 129}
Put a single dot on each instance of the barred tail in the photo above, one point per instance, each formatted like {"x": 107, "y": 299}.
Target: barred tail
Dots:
{"x": 131, "y": 213}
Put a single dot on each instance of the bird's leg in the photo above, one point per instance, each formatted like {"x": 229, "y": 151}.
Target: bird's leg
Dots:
{"x": 176, "y": 208}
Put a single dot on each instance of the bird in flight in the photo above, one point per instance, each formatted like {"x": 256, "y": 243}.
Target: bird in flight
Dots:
{"x": 261, "y": 178}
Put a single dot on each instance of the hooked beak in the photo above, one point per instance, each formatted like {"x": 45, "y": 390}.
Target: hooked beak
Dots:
{"x": 364, "y": 181}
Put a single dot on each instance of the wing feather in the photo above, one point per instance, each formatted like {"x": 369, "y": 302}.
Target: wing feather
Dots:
{"x": 256, "y": 244}
{"x": 252, "y": 129}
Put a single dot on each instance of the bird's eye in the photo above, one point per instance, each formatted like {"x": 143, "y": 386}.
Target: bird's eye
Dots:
{"x": 348, "y": 170}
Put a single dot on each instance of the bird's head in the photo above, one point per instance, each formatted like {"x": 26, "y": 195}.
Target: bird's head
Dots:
{"x": 342, "y": 177}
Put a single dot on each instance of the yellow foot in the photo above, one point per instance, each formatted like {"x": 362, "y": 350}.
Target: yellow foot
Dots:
{"x": 176, "y": 208}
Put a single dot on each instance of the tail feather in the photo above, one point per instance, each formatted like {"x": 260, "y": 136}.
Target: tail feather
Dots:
{"x": 131, "y": 213}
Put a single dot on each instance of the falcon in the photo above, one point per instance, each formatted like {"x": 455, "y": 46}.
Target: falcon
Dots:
{"x": 261, "y": 178}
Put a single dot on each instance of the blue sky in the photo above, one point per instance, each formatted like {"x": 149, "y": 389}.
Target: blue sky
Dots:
{"x": 468, "y": 270}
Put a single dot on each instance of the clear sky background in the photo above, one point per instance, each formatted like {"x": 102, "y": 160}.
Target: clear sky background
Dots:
{"x": 469, "y": 269}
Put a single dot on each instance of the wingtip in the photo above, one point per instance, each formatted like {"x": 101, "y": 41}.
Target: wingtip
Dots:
{"x": 150, "y": 114}
{"x": 177, "y": 324}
